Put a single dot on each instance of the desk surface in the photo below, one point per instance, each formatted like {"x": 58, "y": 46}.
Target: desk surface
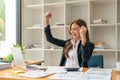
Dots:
{"x": 9, "y": 75}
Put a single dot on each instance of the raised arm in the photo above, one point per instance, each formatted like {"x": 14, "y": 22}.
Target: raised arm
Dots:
{"x": 48, "y": 34}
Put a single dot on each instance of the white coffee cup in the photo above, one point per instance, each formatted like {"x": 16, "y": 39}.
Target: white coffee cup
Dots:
{"x": 118, "y": 65}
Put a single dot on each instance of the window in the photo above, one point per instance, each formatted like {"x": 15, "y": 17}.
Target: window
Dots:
{"x": 2, "y": 20}
{"x": 8, "y": 23}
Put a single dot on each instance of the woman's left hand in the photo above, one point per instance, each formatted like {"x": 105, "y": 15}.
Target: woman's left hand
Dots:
{"x": 83, "y": 31}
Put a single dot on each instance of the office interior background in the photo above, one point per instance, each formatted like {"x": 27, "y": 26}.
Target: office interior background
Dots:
{"x": 24, "y": 24}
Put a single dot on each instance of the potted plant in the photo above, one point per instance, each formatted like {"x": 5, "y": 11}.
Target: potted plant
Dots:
{"x": 20, "y": 46}
{"x": 9, "y": 57}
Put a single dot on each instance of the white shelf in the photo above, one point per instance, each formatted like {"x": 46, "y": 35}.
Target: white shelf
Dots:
{"x": 35, "y": 49}
{"x": 77, "y": 2}
{"x": 36, "y": 6}
{"x": 104, "y": 50}
{"x": 97, "y": 2}
{"x": 57, "y": 4}
{"x": 31, "y": 28}
{"x": 57, "y": 26}
{"x": 58, "y": 50}
{"x": 53, "y": 1}
{"x": 67, "y": 26}
{"x": 41, "y": 49}
{"x": 53, "y": 49}
{"x": 102, "y": 25}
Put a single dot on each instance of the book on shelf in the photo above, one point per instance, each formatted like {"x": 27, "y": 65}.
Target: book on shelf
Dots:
{"x": 100, "y": 45}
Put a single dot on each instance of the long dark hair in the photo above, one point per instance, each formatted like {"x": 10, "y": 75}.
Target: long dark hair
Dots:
{"x": 69, "y": 45}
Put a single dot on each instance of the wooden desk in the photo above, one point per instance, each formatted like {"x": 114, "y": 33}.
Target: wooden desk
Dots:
{"x": 115, "y": 75}
{"x": 9, "y": 75}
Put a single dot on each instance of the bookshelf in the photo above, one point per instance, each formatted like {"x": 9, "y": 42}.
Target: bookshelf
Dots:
{"x": 65, "y": 11}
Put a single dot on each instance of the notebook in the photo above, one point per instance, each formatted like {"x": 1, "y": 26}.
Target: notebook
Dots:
{"x": 19, "y": 60}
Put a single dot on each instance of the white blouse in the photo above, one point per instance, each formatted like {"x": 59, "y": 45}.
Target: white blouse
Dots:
{"x": 72, "y": 61}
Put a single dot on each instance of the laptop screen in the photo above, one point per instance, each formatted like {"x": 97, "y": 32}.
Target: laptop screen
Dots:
{"x": 18, "y": 58}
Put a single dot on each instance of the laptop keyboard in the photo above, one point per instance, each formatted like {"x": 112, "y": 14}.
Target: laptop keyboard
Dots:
{"x": 36, "y": 67}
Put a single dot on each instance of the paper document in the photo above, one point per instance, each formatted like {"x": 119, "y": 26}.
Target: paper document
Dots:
{"x": 35, "y": 74}
{"x": 68, "y": 76}
{"x": 98, "y": 74}
{"x": 55, "y": 69}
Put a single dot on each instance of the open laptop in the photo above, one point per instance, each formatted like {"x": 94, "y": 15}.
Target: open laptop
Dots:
{"x": 19, "y": 60}
{"x": 20, "y": 63}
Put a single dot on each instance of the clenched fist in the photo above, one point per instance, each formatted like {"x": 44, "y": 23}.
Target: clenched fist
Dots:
{"x": 48, "y": 15}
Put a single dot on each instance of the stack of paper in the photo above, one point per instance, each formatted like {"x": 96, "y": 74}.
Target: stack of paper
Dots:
{"x": 98, "y": 74}
{"x": 4, "y": 65}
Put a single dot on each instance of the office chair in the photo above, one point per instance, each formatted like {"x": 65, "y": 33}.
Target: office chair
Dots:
{"x": 96, "y": 61}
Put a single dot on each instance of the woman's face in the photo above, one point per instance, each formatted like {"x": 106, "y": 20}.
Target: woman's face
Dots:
{"x": 75, "y": 31}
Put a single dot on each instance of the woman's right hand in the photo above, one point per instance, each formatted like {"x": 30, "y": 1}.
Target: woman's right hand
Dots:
{"x": 48, "y": 15}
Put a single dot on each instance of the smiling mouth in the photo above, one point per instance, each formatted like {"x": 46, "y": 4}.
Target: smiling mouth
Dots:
{"x": 73, "y": 34}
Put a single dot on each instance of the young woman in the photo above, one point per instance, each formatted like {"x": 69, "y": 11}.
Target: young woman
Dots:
{"x": 76, "y": 51}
